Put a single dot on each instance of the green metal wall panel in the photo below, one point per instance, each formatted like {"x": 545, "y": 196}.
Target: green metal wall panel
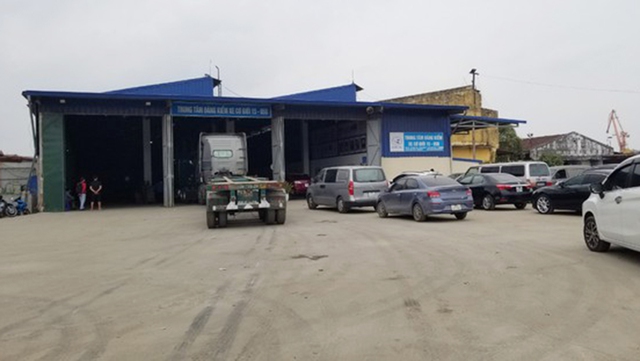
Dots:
{"x": 53, "y": 162}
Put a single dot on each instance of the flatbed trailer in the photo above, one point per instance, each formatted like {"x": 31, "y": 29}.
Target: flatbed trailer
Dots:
{"x": 227, "y": 195}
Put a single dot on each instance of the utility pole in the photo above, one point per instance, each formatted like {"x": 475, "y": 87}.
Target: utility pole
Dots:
{"x": 220, "y": 82}
{"x": 473, "y": 73}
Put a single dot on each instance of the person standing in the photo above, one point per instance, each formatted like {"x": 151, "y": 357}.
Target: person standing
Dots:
{"x": 96, "y": 192}
{"x": 81, "y": 189}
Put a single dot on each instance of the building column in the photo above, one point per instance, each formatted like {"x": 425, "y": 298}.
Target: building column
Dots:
{"x": 52, "y": 177}
{"x": 306, "y": 167}
{"x": 277, "y": 148}
{"x": 167, "y": 160}
{"x": 146, "y": 150}
{"x": 374, "y": 141}
{"x": 230, "y": 125}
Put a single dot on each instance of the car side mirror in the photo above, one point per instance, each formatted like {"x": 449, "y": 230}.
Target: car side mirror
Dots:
{"x": 597, "y": 188}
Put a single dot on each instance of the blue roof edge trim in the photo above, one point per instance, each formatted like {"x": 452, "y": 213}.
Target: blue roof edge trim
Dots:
{"x": 345, "y": 93}
{"x": 210, "y": 99}
{"x": 487, "y": 119}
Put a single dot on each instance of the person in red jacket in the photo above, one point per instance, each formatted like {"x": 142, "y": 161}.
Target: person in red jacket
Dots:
{"x": 81, "y": 190}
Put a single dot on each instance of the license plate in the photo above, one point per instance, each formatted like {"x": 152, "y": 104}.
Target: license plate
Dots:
{"x": 456, "y": 207}
{"x": 246, "y": 196}
{"x": 371, "y": 194}
{"x": 518, "y": 189}
{"x": 542, "y": 183}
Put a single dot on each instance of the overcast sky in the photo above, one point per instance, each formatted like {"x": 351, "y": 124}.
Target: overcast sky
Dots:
{"x": 560, "y": 65}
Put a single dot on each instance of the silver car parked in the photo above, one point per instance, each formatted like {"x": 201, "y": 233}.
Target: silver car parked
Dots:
{"x": 346, "y": 187}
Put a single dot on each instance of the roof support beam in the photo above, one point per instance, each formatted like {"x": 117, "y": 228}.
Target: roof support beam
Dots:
{"x": 167, "y": 160}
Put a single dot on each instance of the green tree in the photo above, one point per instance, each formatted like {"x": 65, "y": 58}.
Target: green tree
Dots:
{"x": 552, "y": 159}
{"x": 510, "y": 148}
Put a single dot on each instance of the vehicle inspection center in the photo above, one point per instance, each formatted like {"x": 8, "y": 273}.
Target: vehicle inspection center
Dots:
{"x": 145, "y": 139}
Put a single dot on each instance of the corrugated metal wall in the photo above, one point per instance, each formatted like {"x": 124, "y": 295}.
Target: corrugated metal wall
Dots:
{"x": 53, "y": 161}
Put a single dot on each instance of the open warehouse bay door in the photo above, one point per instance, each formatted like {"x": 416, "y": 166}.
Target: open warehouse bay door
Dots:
{"x": 125, "y": 153}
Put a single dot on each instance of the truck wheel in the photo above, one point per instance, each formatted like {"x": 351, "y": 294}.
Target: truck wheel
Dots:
{"x": 270, "y": 216}
{"x": 222, "y": 219}
{"x": 281, "y": 216}
{"x": 211, "y": 220}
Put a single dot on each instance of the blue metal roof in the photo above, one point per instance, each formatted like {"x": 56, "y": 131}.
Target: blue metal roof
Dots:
{"x": 191, "y": 87}
{"x": 451, "y": 109}
{"x": 345, "y": 93}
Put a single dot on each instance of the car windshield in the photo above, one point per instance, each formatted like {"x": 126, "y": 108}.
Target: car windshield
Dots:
{"x": 539, "y": 170}
{"x": 368, "y": 175}
{"x": 504, "y": 178}
{"x": 434, "y": 181}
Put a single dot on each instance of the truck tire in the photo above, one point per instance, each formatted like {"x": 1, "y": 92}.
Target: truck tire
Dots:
{"x": 211, "y": 220}
{"x": 270, "y": 216}
{"x": 281, "y": 216}
{"x": 223, "y": 217}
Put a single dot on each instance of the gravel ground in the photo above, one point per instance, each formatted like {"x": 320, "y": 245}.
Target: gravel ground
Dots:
{"x": 155, "y": 284}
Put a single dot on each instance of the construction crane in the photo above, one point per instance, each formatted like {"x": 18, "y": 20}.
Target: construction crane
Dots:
{"x": 621, "y": 135}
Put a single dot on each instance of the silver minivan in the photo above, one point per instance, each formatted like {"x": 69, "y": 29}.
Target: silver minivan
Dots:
{"x": 346, "y": 187}
{"x": 536, "y": 174}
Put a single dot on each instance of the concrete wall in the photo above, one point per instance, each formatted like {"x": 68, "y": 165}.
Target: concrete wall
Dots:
{"x": 461, "y": 166}
{"x": 13, "y": 176}
{"x": 488, "y": 139}
{"x": 351, "y": 159}
{"x": 395, "y": 166}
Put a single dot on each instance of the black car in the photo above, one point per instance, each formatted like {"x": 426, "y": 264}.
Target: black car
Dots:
{"x": 570, "y": 194}
{"x": 490, "y": 189}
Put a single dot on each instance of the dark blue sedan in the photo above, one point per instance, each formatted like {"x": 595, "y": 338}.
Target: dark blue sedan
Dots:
{"x": 424, "y": 195}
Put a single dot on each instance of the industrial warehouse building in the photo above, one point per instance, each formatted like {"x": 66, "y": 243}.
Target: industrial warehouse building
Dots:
{"x": 145, "y": 139}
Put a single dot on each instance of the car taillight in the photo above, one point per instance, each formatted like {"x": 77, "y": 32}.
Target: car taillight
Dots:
{"x": 503, "y": 187}
{"x": 469, "y": 192}
{"x": 351, "y": 192}
{"x": 549, "y": 183}
{"x": 433, "y": 194}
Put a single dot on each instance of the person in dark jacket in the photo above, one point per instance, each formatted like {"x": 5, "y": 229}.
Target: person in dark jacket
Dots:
{"x": 95, "y": 190}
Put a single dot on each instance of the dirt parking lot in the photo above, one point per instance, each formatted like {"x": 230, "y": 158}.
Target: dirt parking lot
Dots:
{"x": 156, "y": 284}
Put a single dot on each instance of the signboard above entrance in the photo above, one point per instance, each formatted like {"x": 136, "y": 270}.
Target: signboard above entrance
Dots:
{"x": 220, "y": 110}
{"x": 416, "y": 142}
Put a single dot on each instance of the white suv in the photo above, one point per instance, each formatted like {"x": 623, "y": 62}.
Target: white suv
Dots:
{"x": 612, "y": 213}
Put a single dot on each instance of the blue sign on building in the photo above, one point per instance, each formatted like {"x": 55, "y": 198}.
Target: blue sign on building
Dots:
{"x": 220, "y": 110}
{"x": 416, "y": 142}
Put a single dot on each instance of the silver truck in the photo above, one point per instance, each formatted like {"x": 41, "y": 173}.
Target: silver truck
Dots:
{"x": 225, "y": 187}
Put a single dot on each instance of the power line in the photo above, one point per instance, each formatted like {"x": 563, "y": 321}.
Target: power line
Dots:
{"x": 561, "y": 86}
{"x": 234, "y": 93}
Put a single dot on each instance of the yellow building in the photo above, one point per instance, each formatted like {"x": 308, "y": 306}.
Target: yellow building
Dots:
{"x": 486, "y": 141}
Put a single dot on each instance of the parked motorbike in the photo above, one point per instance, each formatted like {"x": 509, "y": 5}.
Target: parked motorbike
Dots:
{"x": 7, "y": 209}
{"x": 21, "y": 206}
